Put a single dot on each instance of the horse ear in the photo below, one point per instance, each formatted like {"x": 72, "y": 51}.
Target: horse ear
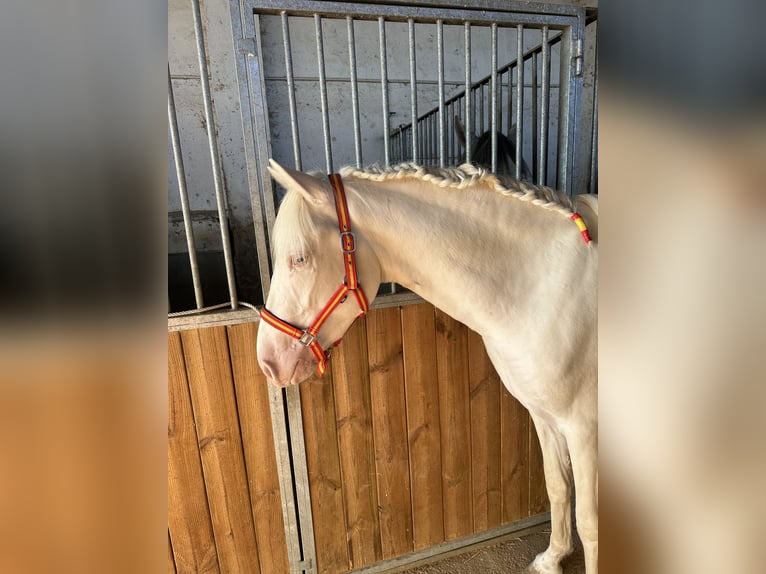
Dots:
{"x": 315, "y": 190}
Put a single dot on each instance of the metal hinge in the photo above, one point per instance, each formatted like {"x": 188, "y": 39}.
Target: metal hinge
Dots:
{"x": 246, "y": 46}
{"x": 578, "y": 58}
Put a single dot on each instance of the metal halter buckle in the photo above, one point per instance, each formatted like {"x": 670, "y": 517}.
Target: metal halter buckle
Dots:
{"x": 343, "y": 236}
{"x": 306, "y": 338}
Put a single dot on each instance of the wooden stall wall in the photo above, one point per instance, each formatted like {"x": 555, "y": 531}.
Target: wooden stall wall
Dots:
{"x": 411, "y": 440}
{"x": 224, "y": 504}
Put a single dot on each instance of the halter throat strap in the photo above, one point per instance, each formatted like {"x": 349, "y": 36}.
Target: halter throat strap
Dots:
{"x": 308, "y": 336}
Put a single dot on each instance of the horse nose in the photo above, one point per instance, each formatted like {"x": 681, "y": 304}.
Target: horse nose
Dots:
{"x": 268, "y": 369}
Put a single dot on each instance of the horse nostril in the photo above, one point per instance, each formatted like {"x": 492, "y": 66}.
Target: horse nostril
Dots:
{"x": 267, "y": 369}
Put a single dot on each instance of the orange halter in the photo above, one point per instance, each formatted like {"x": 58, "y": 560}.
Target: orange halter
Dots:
{"x": 308, "y": 337}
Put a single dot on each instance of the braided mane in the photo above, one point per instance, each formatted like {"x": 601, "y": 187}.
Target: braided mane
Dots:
{"x": 465, "y": 176}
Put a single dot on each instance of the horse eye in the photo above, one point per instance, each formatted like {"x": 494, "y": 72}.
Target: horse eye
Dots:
{"x": 299, "y": 260}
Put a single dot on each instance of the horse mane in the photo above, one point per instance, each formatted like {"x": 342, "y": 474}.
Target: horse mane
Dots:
{"x": 465, "y": 176}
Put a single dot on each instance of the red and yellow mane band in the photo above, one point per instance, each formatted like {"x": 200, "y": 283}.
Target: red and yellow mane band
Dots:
{"x": 581, "y": 226}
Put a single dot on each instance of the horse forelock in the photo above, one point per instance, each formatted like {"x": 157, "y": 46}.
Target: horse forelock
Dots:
{"x": 465, "y": 176}
{"x": 294, "y": 227}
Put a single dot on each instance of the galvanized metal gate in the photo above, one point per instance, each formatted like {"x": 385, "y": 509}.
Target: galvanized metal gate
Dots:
{"x": 326, "y": 84}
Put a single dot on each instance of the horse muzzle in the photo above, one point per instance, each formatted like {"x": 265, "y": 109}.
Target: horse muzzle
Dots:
{"x": 285, "y": 366}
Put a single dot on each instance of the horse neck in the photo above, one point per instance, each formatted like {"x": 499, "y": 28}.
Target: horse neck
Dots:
{"x": 450, "y": 246}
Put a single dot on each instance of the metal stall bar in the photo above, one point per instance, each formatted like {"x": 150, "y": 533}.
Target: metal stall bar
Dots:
{"x": 493, "y": 96}
{"x": 544, "y": 102}
{"x": 509, "y": 121}
{"x": 440, "y": 77}
{"x": 256, "y": 133}
{"x": 212, "y": 141}
{"x": 519, "y": 98}
{"x": 413, "y": 90}
{"x": 594, "y": 140}
{"x": 499, "y": 100}
{"x": 384, "y": 101}
{"x": 468, "y": 123}
{"x": 323, "y": 92}
{"x": 384, "y": 90}
{"x": 480, "y": 95}
{"x": 435, "y": 138}
{"x": 291, "y": 90}
{"x": 184, "y": 194}
{"x": 570, "y": 105}
{"x": 451, "y": 156}
{"x": 354, "y": 91}
{"x": 534, "y": 114}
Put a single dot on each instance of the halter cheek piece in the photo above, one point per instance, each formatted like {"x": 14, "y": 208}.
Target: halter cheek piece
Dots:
{"x": 308, "y": 337}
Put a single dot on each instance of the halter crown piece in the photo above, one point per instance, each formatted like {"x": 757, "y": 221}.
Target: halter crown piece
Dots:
{"x": 308, "y": 336}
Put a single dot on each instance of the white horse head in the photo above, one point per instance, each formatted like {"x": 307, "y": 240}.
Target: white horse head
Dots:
{"x": 309, "y": 270}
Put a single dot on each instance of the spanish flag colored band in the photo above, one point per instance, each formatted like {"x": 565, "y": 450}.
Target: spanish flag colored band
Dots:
{"x": 581, "y": 226}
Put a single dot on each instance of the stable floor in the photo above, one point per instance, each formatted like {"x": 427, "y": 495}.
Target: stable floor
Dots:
{"x": 508, "y": 557}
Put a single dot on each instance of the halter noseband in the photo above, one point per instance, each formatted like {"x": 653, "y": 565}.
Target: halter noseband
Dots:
{"x": 308, "y": 337}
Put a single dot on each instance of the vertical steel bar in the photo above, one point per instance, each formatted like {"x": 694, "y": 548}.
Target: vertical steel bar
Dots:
{"x": 544, "y": 97}
{"x": 212, "y": 141}
{"x": 594, "y": 140}
{"x": 534, "y": 114}
{"x": 519, "y": 98}
{"x": 323, "y": 93}
{"x": 510, "y": 101}
{"x": 384, "y": 89}
{"x": 499, "y": 102}
{"x": 184, "y": 194}
{"x": 480, "y": 94}
{"x": 413, "y": 90}
{"x": 354, "y": 91}
{"x": 468, "y": 123}
{"x": 493, "y": 96}
{"x": 570, "y": 107}
{"x": 435, "y": 122}
{"x": 429, "y": 138}
{"x": 291, "y": 90}
{"x": 440, "y": 79}
{"x": 434, "y": 139}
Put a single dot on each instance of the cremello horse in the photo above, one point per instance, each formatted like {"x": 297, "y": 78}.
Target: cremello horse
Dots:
{"x": 512, "y": 261}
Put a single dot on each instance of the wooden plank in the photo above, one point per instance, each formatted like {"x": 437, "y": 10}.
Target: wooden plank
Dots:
{"x": 323, "y": 461}
{"x": 188, "y": 513}
{"x": 514, "y": 455}
{"x": 220, "y": 444}
{"x": 353, "y": 409}
{"x": 455, "y": 419}
{"x": 538, "y": 496}
{"x": 485, "y": 389}
{"x": 423, "y": 435}
{"x": 258, "y": 444}
{"x": 171, "y": 560}
{"x": 389, "y": 425}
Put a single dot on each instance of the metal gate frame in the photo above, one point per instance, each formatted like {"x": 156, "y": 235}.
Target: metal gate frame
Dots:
{"x": 285, "y": 403}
